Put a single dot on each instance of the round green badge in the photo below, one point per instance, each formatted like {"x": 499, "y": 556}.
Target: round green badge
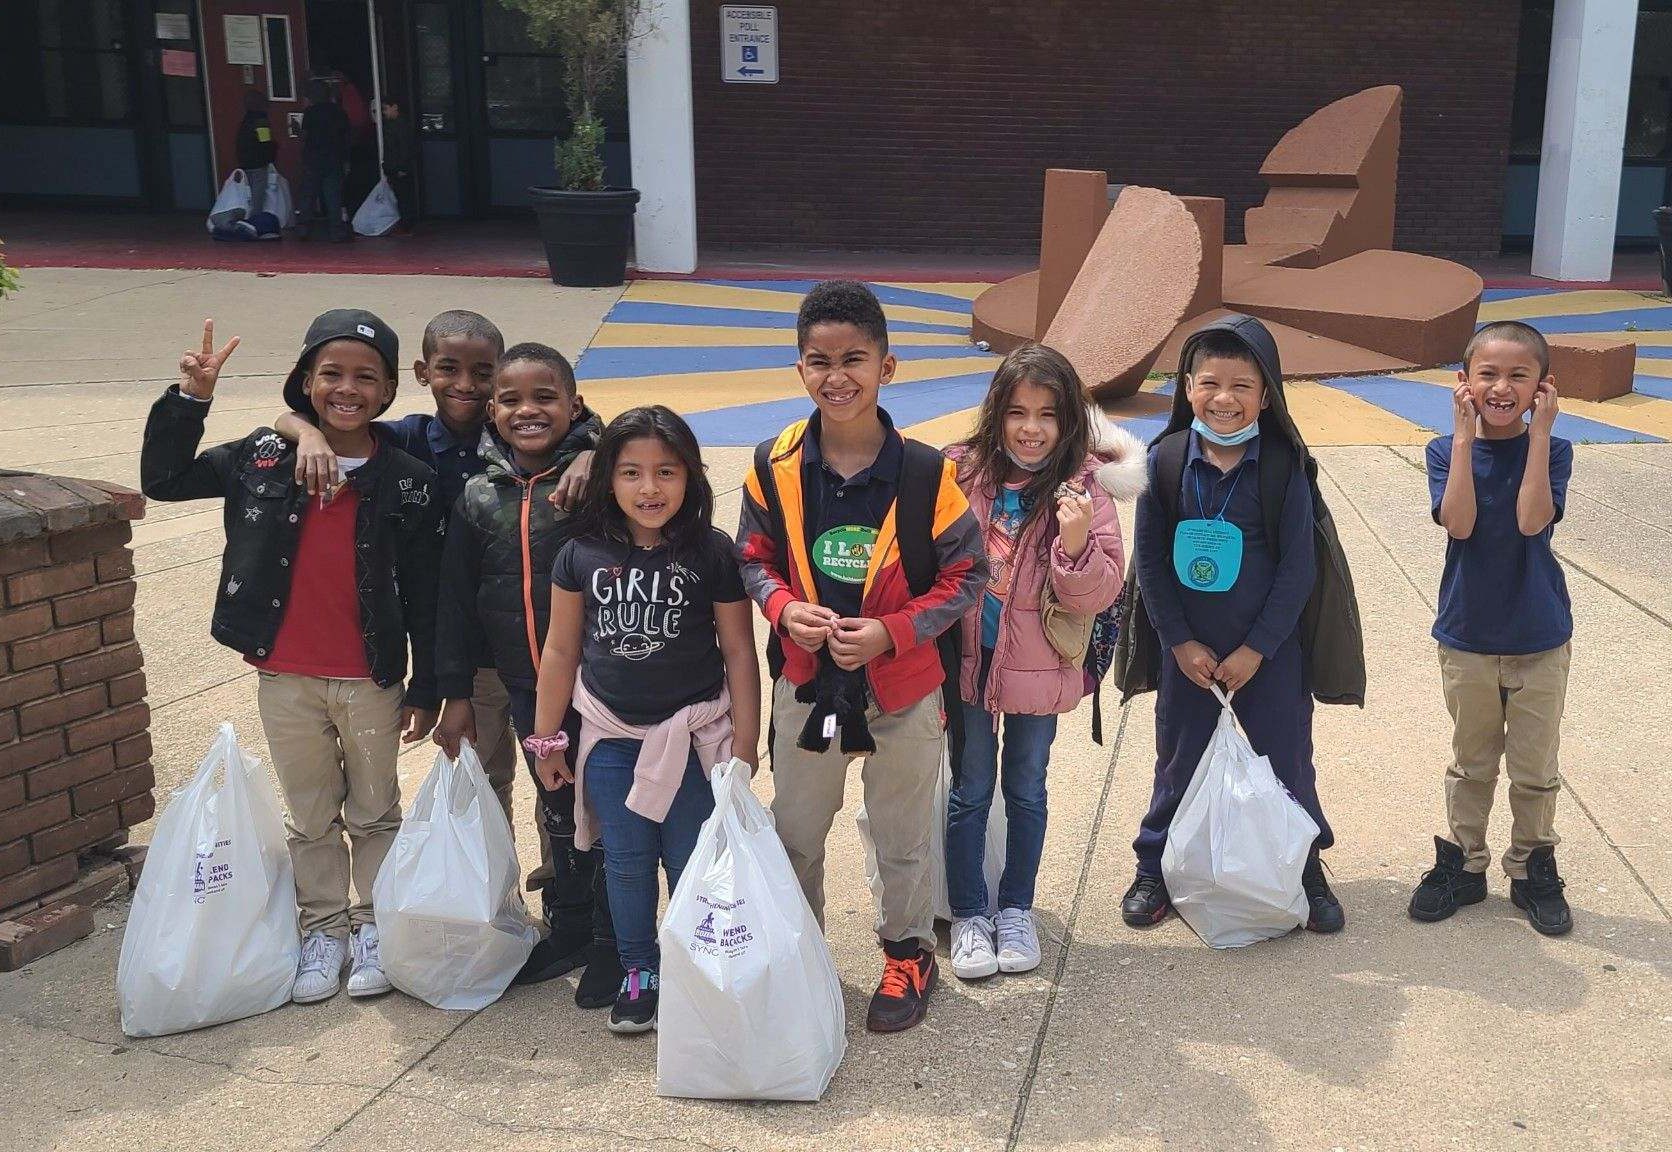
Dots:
{"x": 844, "y": 553}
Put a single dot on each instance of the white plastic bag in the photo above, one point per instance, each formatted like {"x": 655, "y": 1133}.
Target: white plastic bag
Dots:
{"x": 233, "y": 204}
{"x": 379, "y": 212}
{"x": 212, "y": 935}
{"x": 451, "y": 925}
{"x": 992, "y": 863}
{"x": 278, "y": 198}
{"x": 1237, "y": 845}
{"x": 750, "y": 1007}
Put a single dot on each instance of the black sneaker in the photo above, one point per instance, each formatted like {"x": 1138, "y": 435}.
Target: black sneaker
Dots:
{"x": 1146, "y": 902}
{"x": 1326, "y": 914}
{"x": 557, "y": 955}
{"x": 902, "y": 996}
{"x": 602, "y": 978}
{"x": 1446, "y": 887}
{"x": 1540, "y": 894}
{"x": 635, "y": 1003}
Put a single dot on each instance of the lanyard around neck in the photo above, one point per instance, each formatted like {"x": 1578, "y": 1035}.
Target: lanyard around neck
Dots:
{"x": 1201, "y": 509}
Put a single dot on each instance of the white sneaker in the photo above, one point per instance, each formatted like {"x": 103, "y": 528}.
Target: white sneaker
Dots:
{"x": 320, "y": 974}
{"x": 365, "y": 974}
{"x": 972, "y": 949}
{"x": 1018, "y": 942}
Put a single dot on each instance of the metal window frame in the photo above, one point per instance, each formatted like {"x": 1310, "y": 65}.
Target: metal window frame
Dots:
{"x": 267, "y": 19}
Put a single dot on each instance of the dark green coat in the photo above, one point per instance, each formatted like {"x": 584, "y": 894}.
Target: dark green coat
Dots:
{"x": 494, "y": 606}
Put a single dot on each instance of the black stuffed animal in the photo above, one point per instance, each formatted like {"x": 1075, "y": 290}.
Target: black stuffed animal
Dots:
{"x": 842, "y": 694}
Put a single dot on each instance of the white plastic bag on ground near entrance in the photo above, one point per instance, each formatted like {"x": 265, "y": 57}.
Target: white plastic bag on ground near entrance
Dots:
{"x": 212, "y": 934}
{"x": 1237, "y": 845}
{"x": 233, "y": 204}
{"x": 992, "y": 865}
{"x": 451, "y": 925}
{"x": 750, "y": 1007}
{"x": 278, "y": 198}
{"x": 379, "y": 212}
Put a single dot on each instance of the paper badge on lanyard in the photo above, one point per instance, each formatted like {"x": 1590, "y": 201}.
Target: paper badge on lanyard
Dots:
{"x": 1207, "y": 552}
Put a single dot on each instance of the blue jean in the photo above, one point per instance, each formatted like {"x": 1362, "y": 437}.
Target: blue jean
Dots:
{"x": 1027, "y": 753}
{"x": 634, "y": 845}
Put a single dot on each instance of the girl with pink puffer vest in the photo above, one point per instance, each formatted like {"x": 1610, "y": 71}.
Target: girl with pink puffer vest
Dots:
{"x": 1042, "y": 472}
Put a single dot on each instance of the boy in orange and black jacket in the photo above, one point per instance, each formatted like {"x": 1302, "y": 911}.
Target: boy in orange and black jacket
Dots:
{"x": 862, "y": 553}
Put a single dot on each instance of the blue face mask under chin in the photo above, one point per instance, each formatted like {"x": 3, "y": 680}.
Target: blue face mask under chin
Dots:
{"x": 1241, "y": 436}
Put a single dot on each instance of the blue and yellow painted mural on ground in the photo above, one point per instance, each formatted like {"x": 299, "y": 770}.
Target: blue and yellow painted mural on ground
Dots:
{"x": 723, "y": 352}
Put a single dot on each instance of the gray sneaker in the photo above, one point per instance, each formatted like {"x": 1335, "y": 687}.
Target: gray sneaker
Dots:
{"x": 365, "y": 974}
{"x": 1018, "y": 941}
{"x": 972, "y": 949}
{"x": 320, "y": 974}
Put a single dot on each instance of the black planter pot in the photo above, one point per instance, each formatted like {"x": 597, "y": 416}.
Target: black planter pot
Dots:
{"x": 586, "y": 234}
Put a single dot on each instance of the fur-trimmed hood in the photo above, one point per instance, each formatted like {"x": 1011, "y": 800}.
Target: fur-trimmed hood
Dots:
{"x": 1123, "y": 472}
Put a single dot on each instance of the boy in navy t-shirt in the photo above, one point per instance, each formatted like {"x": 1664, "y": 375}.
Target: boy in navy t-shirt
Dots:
{"x": 1498, "y": 485}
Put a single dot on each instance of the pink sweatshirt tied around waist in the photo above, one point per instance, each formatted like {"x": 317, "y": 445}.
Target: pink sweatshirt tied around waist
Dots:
{"x": 665, "y": 750}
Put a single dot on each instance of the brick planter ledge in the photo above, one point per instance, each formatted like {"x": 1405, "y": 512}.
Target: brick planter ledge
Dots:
{"x": 75, "y": 750}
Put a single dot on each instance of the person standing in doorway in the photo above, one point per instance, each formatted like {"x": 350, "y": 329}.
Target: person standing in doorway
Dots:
{"x": 256, "y": 149}
{"x": 398, "y": 168}
{"x": 325, "y": 134}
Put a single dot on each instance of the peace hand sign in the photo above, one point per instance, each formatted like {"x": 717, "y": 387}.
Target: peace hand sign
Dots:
{"x": 200, "y": 370}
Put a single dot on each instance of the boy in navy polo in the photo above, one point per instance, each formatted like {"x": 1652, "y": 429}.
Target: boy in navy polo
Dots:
{"x": 1498, "y": 485}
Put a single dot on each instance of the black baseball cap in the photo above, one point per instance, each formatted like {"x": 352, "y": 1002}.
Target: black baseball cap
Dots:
{"x": 341, "y": 324}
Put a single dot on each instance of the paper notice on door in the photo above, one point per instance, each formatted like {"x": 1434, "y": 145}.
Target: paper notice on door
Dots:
{"x": 178, "y": 62}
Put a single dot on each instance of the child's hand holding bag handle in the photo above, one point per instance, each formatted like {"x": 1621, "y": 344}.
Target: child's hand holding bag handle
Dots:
{"x": 1237, "y": 845}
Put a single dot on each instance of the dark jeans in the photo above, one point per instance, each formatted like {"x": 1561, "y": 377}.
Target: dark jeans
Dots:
{"x": 576, "y": 895}
{"x": 321, "y": 187}
{"x": 1275, "y": 711}
{"x": 406, "y": 193}
{"x": 634, "y": 845}
{"x": 1027, "y": 753}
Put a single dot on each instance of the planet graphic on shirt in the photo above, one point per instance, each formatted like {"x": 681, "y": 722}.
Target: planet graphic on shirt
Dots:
{"x": 636, "y": 646}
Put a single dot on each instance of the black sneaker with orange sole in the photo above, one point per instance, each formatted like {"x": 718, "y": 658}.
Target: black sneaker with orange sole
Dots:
{"x": 902, "y": 996}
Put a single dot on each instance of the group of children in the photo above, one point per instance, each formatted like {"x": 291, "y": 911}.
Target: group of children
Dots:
{"x": 563, "y": 580}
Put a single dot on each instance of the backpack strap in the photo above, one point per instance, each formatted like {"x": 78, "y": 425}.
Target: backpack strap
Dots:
{"x": 780, "y": 545}
{"x": 1169, "y": 474}
{"x": 1277, "y": 461}
{"x": 914, "y": 521}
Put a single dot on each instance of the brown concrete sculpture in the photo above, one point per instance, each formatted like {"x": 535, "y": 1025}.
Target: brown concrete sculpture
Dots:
{"x": 1593, "y": 366}
{"x": 1318, "y": 266}
{"x": 1148, "y": 255}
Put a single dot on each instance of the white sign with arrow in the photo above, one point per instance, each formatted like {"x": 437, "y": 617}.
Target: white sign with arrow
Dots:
{"x": 748, "y": 44}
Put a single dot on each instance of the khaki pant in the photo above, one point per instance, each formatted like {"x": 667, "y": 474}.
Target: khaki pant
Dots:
{"x": 899, "y": 779}
{"x": 334, "y": 744}
{"x": 1505, "y": 708}
{"x": 501, "y": 752}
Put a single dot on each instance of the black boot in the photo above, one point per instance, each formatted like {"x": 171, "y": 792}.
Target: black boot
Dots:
{"x": 1326, "y": 914}
{"x": 1447, "y": 886}
{"x": 1146, "y": 902}
{"x": 603, "y": 976}
{"x": 1540, "y": 894}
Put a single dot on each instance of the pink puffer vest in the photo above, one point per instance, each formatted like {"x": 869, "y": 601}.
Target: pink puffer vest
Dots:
{"x": 1027, "y": 676}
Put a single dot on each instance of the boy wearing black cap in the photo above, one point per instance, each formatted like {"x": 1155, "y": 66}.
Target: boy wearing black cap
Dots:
{"x": 359, "y": 569}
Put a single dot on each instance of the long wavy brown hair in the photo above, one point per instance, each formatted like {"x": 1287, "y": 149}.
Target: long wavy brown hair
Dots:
{"x": 984, "y": 460}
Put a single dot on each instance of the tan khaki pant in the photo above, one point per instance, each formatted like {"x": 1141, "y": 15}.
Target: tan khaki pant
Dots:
{"x": 1505, "y": 708}
{"x": 334, "y": 744}
{"x": 899, "y": 781}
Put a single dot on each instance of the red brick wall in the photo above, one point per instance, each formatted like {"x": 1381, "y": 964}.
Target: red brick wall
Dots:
{"x": 75, "y": 767}
{"x": 929, "y": 125}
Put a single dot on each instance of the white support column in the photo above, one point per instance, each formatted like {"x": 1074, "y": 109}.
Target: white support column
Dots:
{"x": 660, "y": 136}
{"x": 1584, "y": 138}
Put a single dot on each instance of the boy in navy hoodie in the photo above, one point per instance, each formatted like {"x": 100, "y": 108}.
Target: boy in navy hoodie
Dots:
{"x": 1269, "y": 614}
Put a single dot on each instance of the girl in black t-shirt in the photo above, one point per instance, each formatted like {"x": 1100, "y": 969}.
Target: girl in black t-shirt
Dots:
{"x": 648, "y": 608}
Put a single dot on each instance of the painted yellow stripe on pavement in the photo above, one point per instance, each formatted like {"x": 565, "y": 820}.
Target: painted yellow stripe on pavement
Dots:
{"x": 702, "y": 391}
{"x": 764, "y": 299}
{"x": 1566, "y": 304}
{"x": 691, "y": 336}
{"x": 944, "y": 430}
{"x": 1329, "y": 417}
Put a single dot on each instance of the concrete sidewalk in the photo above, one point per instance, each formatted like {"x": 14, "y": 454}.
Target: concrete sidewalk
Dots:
{"x": 1475, "y": 1033}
